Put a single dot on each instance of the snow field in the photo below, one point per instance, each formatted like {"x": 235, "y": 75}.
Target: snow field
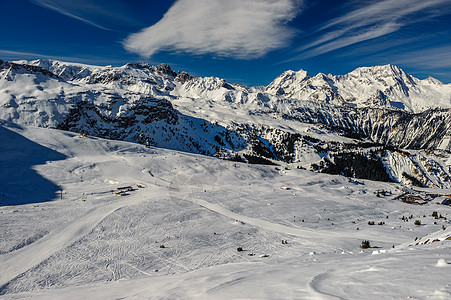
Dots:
{"x": 92, "y": 243}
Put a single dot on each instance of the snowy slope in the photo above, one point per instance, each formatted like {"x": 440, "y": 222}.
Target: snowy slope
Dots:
{"x": 94, "y": 244}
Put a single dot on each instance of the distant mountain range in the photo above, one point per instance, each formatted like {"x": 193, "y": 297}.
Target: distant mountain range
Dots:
{"x": 380, "y": 86}
{"x": 297, "y": 118}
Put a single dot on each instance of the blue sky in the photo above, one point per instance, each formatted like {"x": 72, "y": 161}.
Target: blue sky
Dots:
{"x": 244, "y": 41}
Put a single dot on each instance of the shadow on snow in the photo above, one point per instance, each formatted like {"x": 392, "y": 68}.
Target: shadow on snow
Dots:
{"x": 19, "y": 182}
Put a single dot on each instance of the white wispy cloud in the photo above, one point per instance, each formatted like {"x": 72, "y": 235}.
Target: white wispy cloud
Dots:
{"x": 371, "y": 21}
{"x": 19, "y": 55}
{"x": 371, "y": 33}
{"x": 429, "y": 58}
{"x": 102, "y": 14}
{"x": 234, "y": 28}
{"x": 383, "y": 11}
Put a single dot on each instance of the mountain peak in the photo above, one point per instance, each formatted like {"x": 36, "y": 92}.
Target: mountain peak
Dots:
{"x": 165, "y": 69}
{"x": 138, "y": 65}
{"x": 288, "y": 78}
{"x": 296, "y": 75}
{"x": 433, "y": 80}
{"x": 389, "y": 74}
{"x": 388, "y": 69}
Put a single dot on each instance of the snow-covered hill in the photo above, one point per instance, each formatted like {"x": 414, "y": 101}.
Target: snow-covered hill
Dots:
{"x": 110, "y": 219}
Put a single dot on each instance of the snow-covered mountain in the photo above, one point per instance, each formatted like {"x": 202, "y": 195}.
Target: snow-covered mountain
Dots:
{"x": 66, "y": 71}
{"x": 96, "y": 211}
{"x": 380, "y": 86}
{"x": 295, "y": 119}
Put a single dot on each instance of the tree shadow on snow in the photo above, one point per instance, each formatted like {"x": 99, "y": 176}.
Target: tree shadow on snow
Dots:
{"x": 19, "y": 182}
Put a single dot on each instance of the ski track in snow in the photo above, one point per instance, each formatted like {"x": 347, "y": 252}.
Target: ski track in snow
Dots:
{"x": 314, "y": 285}
{"x": 13, "y": 263}
{"x": 275, "y": 227}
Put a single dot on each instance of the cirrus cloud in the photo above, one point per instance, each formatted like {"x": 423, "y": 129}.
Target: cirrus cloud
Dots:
{"x": 103, "y": 14}
{"x": 372, "y": 20}
{"x": 242, "y": 29}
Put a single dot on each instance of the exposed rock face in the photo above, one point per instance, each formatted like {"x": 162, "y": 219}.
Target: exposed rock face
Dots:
{"x": 426, "y": 130}
{"x": 103, "y": 123}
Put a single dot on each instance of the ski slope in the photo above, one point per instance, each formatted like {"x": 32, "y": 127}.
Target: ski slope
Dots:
{"x": 66, "y": 234}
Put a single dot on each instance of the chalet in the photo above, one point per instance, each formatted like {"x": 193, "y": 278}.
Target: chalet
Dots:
{"x": 125, "y": 189}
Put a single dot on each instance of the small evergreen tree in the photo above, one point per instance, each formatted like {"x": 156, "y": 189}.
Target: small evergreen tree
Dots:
{"x": 365, "y": 245}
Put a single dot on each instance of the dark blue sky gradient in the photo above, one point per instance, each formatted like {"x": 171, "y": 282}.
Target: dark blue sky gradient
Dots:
{"x": 420, "y": 42}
